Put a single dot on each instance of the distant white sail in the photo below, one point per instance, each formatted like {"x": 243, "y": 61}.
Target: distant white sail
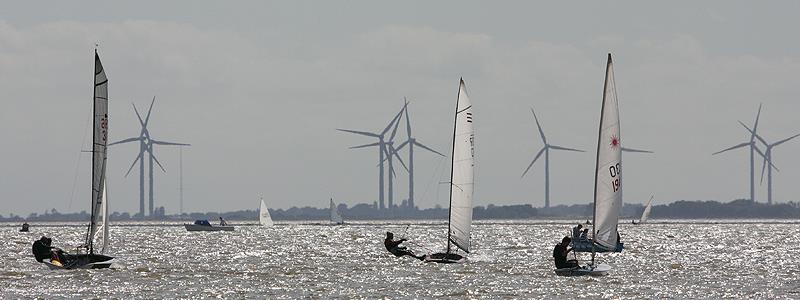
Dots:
{"x": 336, "y": 218}
{"x": 99, "y": 143}
{"x": 608, "y": 176}
{"x": 461, "y": 176}
{"x": 646, "y": 212}
{"x": 263, "y": 215}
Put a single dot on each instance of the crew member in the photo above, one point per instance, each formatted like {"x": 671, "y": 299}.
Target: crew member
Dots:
{"x": 560, "y": 252}
{"x": 395, "y": 248}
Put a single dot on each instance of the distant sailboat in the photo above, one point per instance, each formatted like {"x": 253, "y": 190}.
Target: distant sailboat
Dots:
{"x": 646, "y": 212}
{"x": 461, "y": 182}
{"x": 263, "y": 215}
{"x": 336, "y": 217}
{"x": 89, "y": 257}
{"x": 608, "y": 182}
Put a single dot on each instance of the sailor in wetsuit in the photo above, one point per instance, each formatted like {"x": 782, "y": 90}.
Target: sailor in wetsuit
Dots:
{"x": 395, "y": 248}
{"x": 42, "y": 250}
{"x": 560, "y": 252}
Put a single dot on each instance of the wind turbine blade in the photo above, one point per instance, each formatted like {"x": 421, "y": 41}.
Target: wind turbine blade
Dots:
{"x": 767, "y": 158}
{"x": 763, "y": 166}
{"x": 150, "y": 150}
{"x": 635, "y": 150}
{"x": 133, "y": 164}
{"x": 395, "y": 119}
{"x": 125, "y": 141}
{"x": 401, "y": 146}
{"x": 408, "y": 122}
{"x": 754, "y": 133}
{"x": 544, "y": 140}
{"x": 147, "y": 119}
{"x": 785, "y": 140}
{"x": 755, "y": 126}
{"x": 366, "y": 145}
{"x": 359, "y": 132}
{"x": 168, "y": 143}
{"x": 564, "y": 148}
{"x": 138, "y": 115}
{"x": 534, "y": 160}
{"x": 400, "y": 159}
{"x": 427, "y": 148}
{"x": 731, "y": 148}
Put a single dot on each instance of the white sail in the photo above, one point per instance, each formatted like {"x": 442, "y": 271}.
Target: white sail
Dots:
{"x": 100, "y": 140}
{"x": 336, "y": 218}
{"x": 263, "y": 215}
{"x": 461, "y": 176}
{"x": 646, "y": 212}
{"x": 103, "y": 238}
{"x": 608, "y": 176}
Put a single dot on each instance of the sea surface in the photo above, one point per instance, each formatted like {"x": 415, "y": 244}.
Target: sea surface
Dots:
{"x": 720, "y": 259}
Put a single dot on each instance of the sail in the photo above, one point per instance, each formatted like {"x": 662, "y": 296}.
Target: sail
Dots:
{"x": 608, "y": 176}
{"x": 263, "y": 215}
{"x": 461, "y": 176}
{"x": 100, "y": 140}
{"x": 646, "y": 212}
{"x": 103, "y": 238}
{"x": 336, "y": 218}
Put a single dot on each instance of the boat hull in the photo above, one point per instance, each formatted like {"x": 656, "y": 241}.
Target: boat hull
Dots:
{"x": 81, "y": 261}
{"x": 445, "y": 258}
{"x": 586, "y": 246}
{"x": 193, "y": 227}
{"x": 598, "y": 270}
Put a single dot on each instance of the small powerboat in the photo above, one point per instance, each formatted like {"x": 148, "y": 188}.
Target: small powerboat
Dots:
{"x": 204, "y": 225}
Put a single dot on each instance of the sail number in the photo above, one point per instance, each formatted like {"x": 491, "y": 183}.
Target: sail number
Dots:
{"x": 615, "y": 170}
{"x": 104, "y": 127}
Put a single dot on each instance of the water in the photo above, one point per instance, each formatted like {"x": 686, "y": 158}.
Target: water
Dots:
{"x": 736, "y": 259}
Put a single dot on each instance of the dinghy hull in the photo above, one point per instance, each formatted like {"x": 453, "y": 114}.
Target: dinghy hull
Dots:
{"x": 445, "y": 258}
{"x": 81, "y": 261}
{"x": 598, "y": 270}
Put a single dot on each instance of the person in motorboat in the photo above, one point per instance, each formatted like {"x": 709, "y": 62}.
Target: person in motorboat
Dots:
{"x": 560, "y": 252}
{"x": 42, "y": 250}
{"x": 25, "y": 227}
{"x": 222, "y": 222}
{"x": 395, "y": 248}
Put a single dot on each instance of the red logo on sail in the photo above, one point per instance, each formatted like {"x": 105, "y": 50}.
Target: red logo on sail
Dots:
{"x": 614, "y": 141}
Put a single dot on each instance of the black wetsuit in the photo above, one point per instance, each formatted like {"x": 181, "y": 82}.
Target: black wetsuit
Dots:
{"x": 41, "y": 251}
{"x": 395, "y": 248}
{"x": 560, "y": 256}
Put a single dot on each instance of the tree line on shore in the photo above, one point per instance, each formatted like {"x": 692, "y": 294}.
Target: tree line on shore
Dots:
{"x": 683, "y": 209}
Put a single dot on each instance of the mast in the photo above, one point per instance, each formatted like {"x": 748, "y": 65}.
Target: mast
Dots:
{"x": 452, "y": 162}
{"x": 597, "y": 158}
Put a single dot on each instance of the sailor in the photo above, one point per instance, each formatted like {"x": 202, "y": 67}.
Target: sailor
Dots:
{"x": 560, "y": 252}
{"x": 576, "y": 231}
{"x": 25, "y": 227}
{"x": 584, "y": 235}
{"x": 395, "y": 248}
{"x": 222, "y": 222}
{"x": 42, "y": 250}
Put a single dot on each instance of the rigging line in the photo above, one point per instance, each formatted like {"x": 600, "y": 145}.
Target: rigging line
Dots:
{"x": 78, "y": 163}
{"x": 435, "y": 174}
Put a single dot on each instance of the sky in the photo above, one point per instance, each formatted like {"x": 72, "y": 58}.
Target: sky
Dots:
{"x": 258, "y": 88}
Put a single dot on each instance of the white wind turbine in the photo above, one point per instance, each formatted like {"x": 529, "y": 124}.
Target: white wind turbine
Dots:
{"x": 768, "y": 159}
{"x": 753, "y": 149}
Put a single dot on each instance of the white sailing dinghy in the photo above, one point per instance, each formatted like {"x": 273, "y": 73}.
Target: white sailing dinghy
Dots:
{"x": 336, "y": 217}
{"x": 608, "y": 182}
{"x": 263, "y": 215}
{"x": 86, "y": 256}
{"x": 461, "y": 182}
{"x": 645, "y": 213}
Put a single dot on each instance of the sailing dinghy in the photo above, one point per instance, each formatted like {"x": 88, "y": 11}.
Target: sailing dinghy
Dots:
{"x": 336, "y": 217}
{"x": 461, "y": 183}
{"x": 87, "y": 256}
{"x": 263, "y": 215}
{"x": 607, "y": 184}
{"x": 645, "y": 213}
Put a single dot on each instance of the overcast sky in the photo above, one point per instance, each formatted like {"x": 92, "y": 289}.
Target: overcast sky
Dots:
{"x": 259, "y": 88}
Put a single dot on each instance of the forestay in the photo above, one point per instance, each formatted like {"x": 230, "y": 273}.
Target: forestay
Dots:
{"x": 263, "y": 215}
{"x": 608, "y": 176}
{"x": 100, "y": 140}
{"x": 461, "y": 177}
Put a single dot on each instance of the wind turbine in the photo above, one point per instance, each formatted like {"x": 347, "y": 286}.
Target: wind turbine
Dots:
{"x": 768, "y": 158}
{"x": 411, "y": 142}
{"x": 382, "y": 150}
{"x": 753, "y": 149}
{"x": 145, "y": 145}
{"x": 546, "y": 151}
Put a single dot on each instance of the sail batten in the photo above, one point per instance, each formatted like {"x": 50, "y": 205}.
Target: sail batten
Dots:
{"x": 99, "y": 144}
{"x": 608, "y": 175}
{"x": 461, "y": 176}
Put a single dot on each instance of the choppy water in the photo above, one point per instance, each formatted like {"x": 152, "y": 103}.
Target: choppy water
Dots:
{"x": 736, "y": 259}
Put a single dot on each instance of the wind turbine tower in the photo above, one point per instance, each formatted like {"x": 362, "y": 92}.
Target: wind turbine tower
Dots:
{"x": 768, "y": 159}
{"x": 753, "y": 149}
{"x": 411, "y": 142}
{"x": 146, "y": 146}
